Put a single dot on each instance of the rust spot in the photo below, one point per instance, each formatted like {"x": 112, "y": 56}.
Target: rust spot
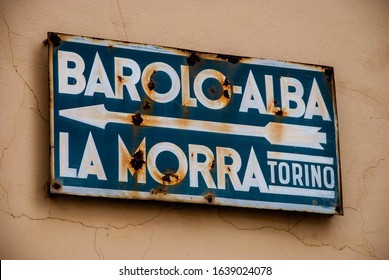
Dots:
{"x": 279, "y": 112}
{"x": 147, "y": 105}
{"x": 170, "y": 177}
{"x": 45, "y": 42}
{"x": 120, "y": 78}
{"x": 185, "y": 112}
{"x": 56, "y": 185}
{"x": 166, "y": 178}
{"x": 209, "y": 197}
{"x": 212, "y": 92}
{"x": 193, "y": 59}
{"x": 137, "y": 160}
{"x": 54, "y": 39}
{"x": 230, "y": 58}
{"x": 110, "y": 47}
{"x": 151, "y": 85}
{"x": 137, "y": 119}
{"x": 162, "y": 190}
{"x": 226, "y": 88}
{"x": 229, "y": 169}
{"x": 212, "y": 164}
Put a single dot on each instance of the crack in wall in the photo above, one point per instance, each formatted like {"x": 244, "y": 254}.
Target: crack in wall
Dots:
{"x": 8, "y": 146}
{"x": 5, "y": 195}
{"x": 365, "y": 243}
{"x": 365, "y": 188}
{"x": 359, "y": 209}
{"x": 289, "y": 231}
{"x": 150, "y": 243}
{"x": 99, "y": 252}
{"x": 122, "y": 20}
{"x": 380, "y": 104}
{"x": 290, "y": 226}
{"x": 87, "y": 225}
{"x": 96, "y": 249}
{"x": 37, "y": 109}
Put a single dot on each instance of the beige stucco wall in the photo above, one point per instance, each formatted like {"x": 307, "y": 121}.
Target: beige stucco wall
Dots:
{"x": 351, "y": 36}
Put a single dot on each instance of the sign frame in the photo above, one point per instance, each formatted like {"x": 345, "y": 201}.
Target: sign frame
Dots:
{"x": 302, "y": 159}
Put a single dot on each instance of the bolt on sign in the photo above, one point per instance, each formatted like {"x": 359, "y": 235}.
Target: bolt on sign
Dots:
{"x": 154, "y": 123}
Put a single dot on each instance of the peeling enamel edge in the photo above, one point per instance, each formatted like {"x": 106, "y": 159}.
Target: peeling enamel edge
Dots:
{"x": 336, "y": 122}
{"x": 98, "y": 192}
{"x": 184, "y": 52}
{"x": 51, "y": 117}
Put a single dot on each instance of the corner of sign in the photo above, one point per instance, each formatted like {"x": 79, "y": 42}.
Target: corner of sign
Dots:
{"x": 53, "y": 38}
{"x": 54, "y": 187}
{"x": 339, "y": 210}
{"x": 329, "y": 72}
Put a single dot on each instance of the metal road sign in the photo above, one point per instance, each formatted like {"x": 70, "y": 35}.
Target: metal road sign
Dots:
{"x": 147, "y": 122}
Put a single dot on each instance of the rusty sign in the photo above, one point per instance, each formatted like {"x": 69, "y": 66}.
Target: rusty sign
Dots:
{"x": 148, "y": 122}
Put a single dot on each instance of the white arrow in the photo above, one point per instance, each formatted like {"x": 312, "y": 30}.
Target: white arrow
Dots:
{"x": 275, "y": 133}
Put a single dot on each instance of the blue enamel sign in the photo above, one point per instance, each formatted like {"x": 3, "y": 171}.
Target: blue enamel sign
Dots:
{"x": 147, "y": 122}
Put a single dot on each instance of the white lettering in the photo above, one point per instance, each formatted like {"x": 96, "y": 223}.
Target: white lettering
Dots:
{"x": 186, "y": 99}
{"x": 316, "y": 176}
{"x": 252, "y": 97}
{"x": 64, "y": 169}
{"x": 272, "y": 165}
{"x": 284, "y": 173}
{"x": 98, "y": 80}
{"x": 150, "y": 70}
{"x": 228, "y": 169}
{"x": 297, "y": 174}
{"x": 269, "y": 93}
{"x": 306, "y": 175}
{"x": 198, "y": 89}
{"x": 203, "y": 168}
{"x": 329, "y": 183}
{"x": 295, "y": 96}
{"x": 91, "y": 163}
{"x": 316, "y": 105}
{"x": 167, "y": 178}
{"x": 71, "y": 80}
{"x": 75, "y": 73}
{"x": 253, "y": 176}
{"x": 128, "y": 81}
{"x": 125, "y": 164}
